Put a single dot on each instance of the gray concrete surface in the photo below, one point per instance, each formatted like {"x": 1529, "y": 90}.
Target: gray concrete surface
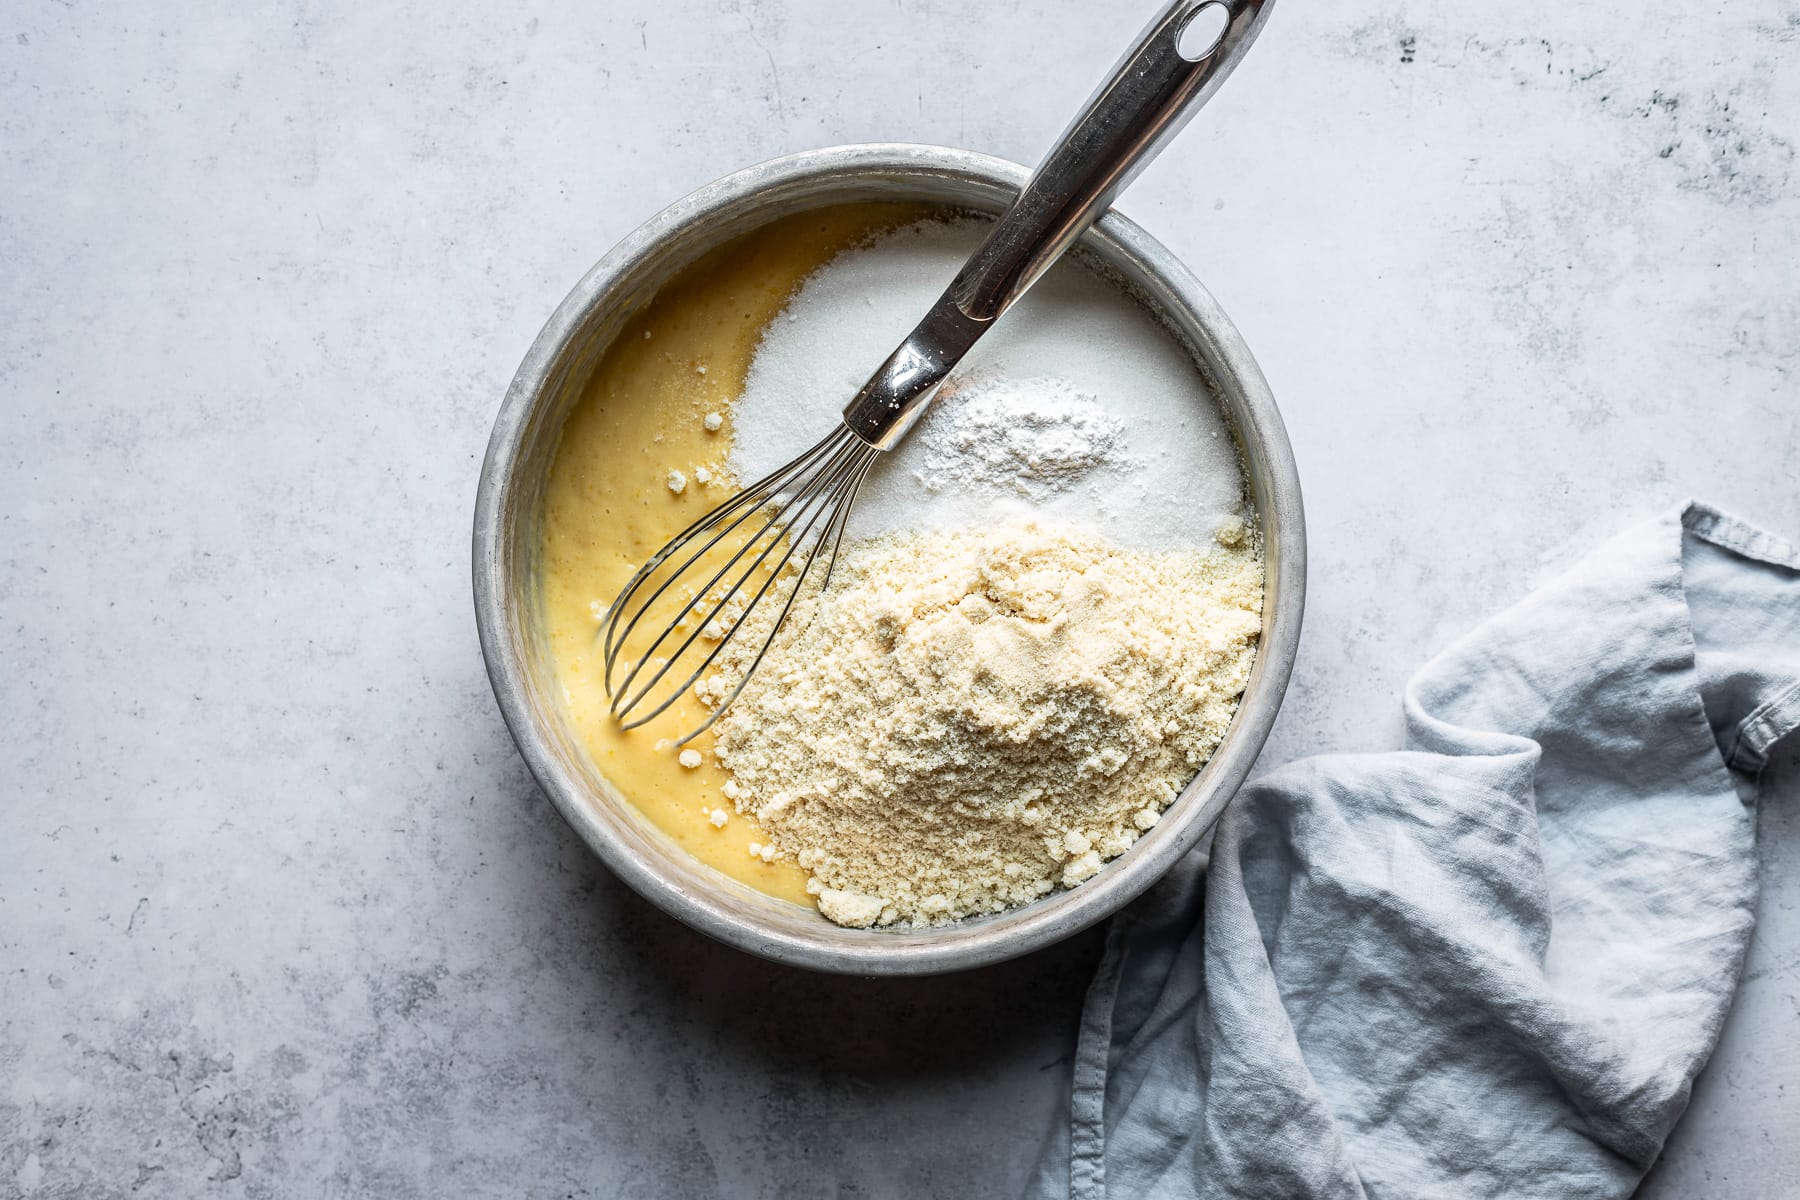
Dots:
{"x": 281, "y": 914}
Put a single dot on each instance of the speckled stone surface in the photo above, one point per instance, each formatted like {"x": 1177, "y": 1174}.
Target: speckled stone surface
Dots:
{"x": 280, "y": 911}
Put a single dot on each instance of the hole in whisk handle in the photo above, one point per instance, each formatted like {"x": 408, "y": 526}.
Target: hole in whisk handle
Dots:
{"x": 1203, "y": 30}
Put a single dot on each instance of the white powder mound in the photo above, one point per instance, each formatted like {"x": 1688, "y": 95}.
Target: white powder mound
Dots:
{"x": 1128, "y": 443}
{"x": 1031, "y": 437}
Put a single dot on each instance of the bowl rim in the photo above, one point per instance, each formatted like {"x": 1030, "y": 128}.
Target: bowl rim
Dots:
{"x": 980, "y": 941}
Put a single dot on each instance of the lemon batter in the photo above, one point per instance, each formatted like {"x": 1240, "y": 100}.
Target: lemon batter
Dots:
{"x": 641, "y": 459}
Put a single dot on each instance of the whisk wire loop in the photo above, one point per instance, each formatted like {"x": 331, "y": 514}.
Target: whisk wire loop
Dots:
{"x": 751, "y": 498}
{"x": 807, "y": 499}
{"x": 818, "y": 485}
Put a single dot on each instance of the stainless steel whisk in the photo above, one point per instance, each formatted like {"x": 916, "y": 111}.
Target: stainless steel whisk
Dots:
{"x": 761, "y": 545}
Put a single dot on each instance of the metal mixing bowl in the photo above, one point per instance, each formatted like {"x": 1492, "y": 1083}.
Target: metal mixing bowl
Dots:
{"x": 508, "y": 513}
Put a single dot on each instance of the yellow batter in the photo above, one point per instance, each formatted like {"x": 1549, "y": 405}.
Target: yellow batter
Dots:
{"x": 609, "y": 505}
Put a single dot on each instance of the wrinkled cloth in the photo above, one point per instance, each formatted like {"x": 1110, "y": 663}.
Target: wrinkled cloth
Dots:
{"x": 1489, "y": 964}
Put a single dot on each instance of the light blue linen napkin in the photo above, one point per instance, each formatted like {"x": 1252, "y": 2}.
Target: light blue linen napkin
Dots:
{"x": 1490, "y": 964}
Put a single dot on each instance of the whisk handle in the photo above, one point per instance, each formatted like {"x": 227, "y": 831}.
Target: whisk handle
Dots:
{"x": 1149, "y": 96}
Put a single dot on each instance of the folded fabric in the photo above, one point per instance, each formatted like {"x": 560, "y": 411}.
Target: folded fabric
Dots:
{"x": 1490, "y": 964}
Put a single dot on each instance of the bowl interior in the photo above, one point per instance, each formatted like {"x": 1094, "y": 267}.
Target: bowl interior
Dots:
{"x": 550, "y": 382}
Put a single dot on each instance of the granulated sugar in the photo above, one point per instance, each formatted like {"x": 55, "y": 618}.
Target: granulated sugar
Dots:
{"x": 1127, "y": 443}
{"x": 970, "y": 720}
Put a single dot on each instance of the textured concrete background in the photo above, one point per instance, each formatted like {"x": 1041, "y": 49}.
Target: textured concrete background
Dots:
{"x": 280, "y": 911}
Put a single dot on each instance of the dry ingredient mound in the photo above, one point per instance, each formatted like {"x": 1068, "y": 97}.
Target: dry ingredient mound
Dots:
{"x": 1035, "y": 438}
{"x": 971, "y": 719}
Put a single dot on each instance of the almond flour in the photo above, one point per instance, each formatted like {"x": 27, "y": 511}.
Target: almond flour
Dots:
{"x": 967, "y": 720}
